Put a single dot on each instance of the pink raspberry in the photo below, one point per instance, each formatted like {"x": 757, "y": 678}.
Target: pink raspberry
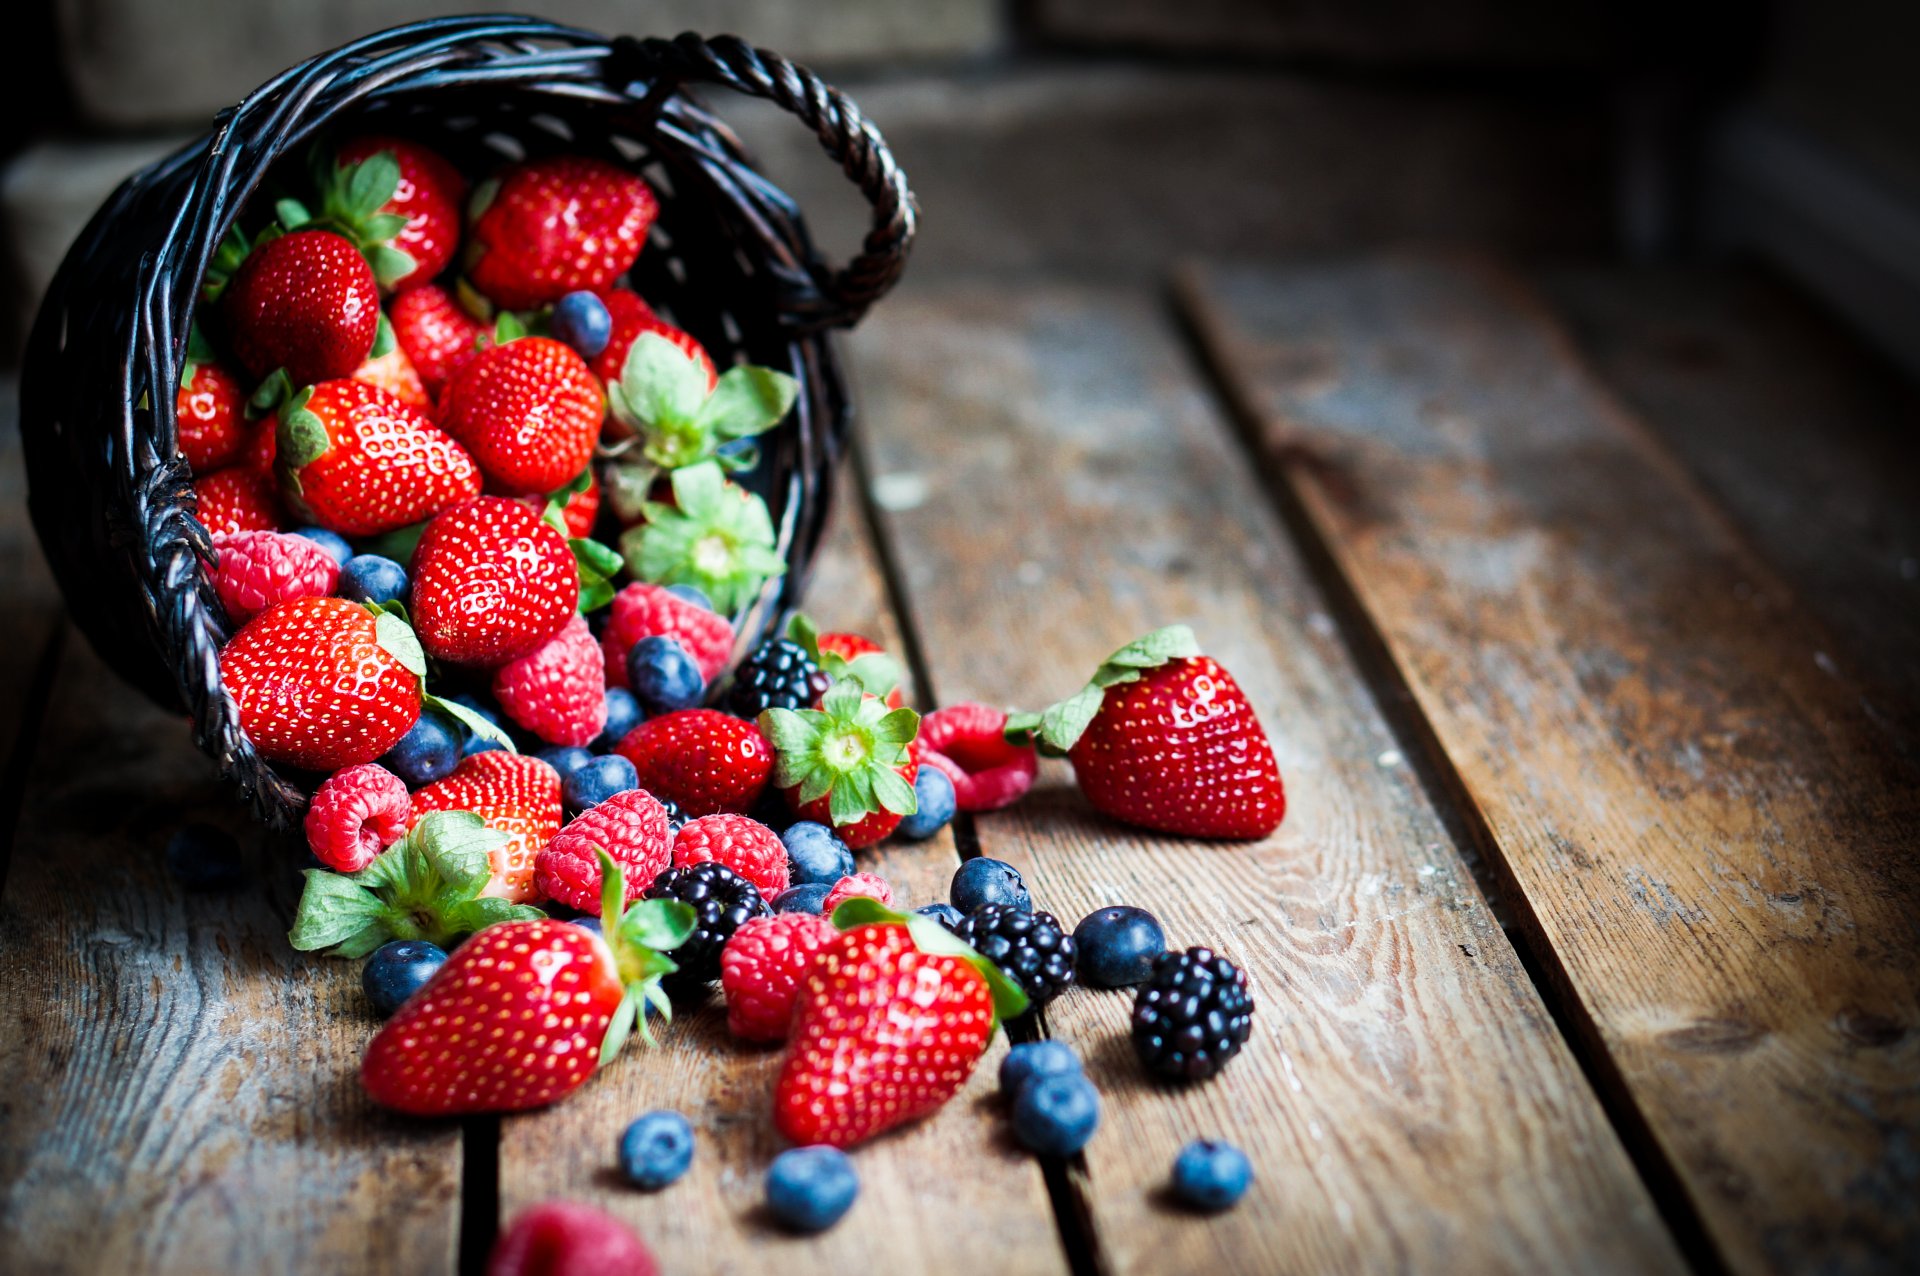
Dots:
{"x": 871, "y": 885}
{"x": 260, "y": 569}
{"x": 557, "y": 690}
{"x": 968, "y": 742}
{"x": 760, "y": 970}
{"x": 357, "y": 812}
{"x": 564, "y": 1238}
{"x": 746, "y": 846}
{"x": 644, "y": 611}
{"x": 630, "y": 826}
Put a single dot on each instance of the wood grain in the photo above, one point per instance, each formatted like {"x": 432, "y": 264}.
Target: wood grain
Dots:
{"x": 180, "y": 1087}
{"x": 947, "y": 1194}
{"x": 1706, "y": 830}
{"x": 1057, "y": 483}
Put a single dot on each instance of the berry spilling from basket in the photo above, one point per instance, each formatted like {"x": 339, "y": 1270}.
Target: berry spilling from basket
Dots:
{"x": 482, "y": 542}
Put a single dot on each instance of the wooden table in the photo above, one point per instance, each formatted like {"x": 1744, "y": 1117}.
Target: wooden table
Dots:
{"x": 1582, "y": 611}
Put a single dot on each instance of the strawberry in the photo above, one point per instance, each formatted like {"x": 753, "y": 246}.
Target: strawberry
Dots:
{"x": 642, "y": 610}
{"x": 580, "y": 509}
{"x": 715, "y": 536}
{"x": 491, "y": 582}
{"x": 681, "y": 415}
{"x": 239, "y": 499}
{"x": 393, "y": 372}
{"x": 529, "y": 411}
{"x": 1162, "y": 737}
{"x": 323, "y": 683}
{"x": 703, "y": 760}
{"x": 849, "y": 648}
{"x": 262, "y": 449}
{"x": 521, "y": 1014}
{"x": 210, "y": 409}
{"x": 558, "y": 690}
{"x": 516, "y": 795}
{"x": 306, "y": 302}
{"x": 437, "y": 335}
{"x": 564, "y": 1238}
{"x": 632, "y": 316}
{"x": 969, "y": 742}
{"x": 746, "y": 846}
{"x": 403, "y": 201}
{"x": 849, "y": 764}
{"x": 357, "y": 461}
{"x": 631, "y": 826}
{"x": 760, "y": 970}
{"x": 548, "y": 227}
{"x": 891, "y": 1018}
{"x": 259, "y": 569}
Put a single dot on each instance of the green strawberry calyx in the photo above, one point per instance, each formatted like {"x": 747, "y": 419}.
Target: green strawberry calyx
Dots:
{"x": 1059, "y": 727}
{"x": 877, "y": 673}
{"x": 848, "y": 751}
{"x": 353, "y": 199}
{"x": 425, "y": 886}
{"x": 930, "y": 937}
{"x": 662, "y": 396}
{"x": 639, "y": 936}
{"x": 716, "y": 536}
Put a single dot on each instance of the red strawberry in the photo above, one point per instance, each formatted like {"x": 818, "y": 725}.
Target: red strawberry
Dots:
{"x": 516, "y": 794}
{"x": 631, "y": 317}
{"x": 969, "y": 742}
{"x": 578, "y": 513}
{"x": 491, "y": 582}
{"x": 884, "y": 1031}
{"x": 355, "y": 814}
{"x": 703, "y": 760}
{"x": 557, "y": 690}
{"x": 357, "y": 461}
{"x": 393, "y": 372}
{"x": 643, "y": 610}
{"x": 529, "y": 411}
{"x": 438, "y": 336}
{"x": 630, "y": 826}
{"x": 548, "y": 227}
{"x": 428, "y": 194}
{"x": 305, "y": 302}
{"x": 262, "y": 449}
{"x": 1163, "y": 738}
{"x": 238, "y": 499}
{"x": 211, "y": 410}
{"x": 746, "y": 846}
{"x": 849, "y": 764}
{"x": 320, "y": 683}
{"x": 562, "y": 1238}
{"x": 857, "y": 886}
{"x": 760, "y": 971}
{"x": 259, "y": 569}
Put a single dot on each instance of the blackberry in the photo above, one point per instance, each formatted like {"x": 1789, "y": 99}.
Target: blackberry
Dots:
{"x": 675, "y": 816}
{"x": 1031, "y": 947}
{"x": 1192, "y": 1015}
{"x": 722, "y": 902}
{"x": 778, "y": 675}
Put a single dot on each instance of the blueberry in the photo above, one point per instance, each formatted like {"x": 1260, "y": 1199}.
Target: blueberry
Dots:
{"x": 1056, "y": 1115}
{"x": 369, "y": 578}
{"x": 590, "y": 923}
{"x": 656, "y": 1149}
{"x": 581, "y": 320}
{"x": 623, "y": 715}
{"x": 565, "y": 758}
{"x": 816, "y": 854}
{"x": 427, "y": 752}
{"x": 983, "y": 881}
{"x": 692, "y": 594}
{"x": 397, "y": 970}
{"x": 1031, "y": 1060}
{"x": 599, "y": 780}
{"x": 1211, "y": 1175}
{"x": 334, "y": 543}
{"x": 663, "y": 676}
{"x": 204, "y": 858}
{"x": 810, "y": 1189}
{"x": 933, "y": 791}
{"x": 807, "y": 897}
{"x": 946, "y": 914}
{"x": 1117, "y": 946}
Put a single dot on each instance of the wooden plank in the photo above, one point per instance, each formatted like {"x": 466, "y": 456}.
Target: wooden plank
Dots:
{"x": 1057, "y": 484}
{"x": 947, "y": 1194}
{"x": 181, "y": 1087}
{"x": 1707, "y": 834}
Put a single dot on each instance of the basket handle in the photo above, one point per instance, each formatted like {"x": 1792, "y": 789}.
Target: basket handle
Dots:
{"x": 845, "y": 134}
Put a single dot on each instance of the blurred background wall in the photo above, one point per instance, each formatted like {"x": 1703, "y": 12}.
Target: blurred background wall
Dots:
{"x": 1104, "y": 137}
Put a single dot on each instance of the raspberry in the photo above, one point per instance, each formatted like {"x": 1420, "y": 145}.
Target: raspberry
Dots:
{"x": 967, "y": 741}
{"x": 760, "y": 970}
{"x": 630, "y": 826}
{"x": 644, "y": 611}
{"x": 870, "y": 885}
{"x": 560, "y": 1237}
{"x": 557, "y": 690}
{"x": 746, "y": 846}
{"x": 357, "y": 813}
{"x": 259, "y": 569}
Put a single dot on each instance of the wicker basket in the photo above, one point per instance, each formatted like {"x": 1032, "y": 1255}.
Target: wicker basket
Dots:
{"x": 729, "y": 260}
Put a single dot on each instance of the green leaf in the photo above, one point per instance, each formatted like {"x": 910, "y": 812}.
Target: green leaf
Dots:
{"x": 659, "y": 924}
{"x": 747, "y": 401}
{"x": 788, "y": 730}
{"x": 661, "y": 383}
{"x": 300, "y": 439}
{"x": 929, "y": 936}
{"x": 199, "y": 349}
{"x": 372, "y": 182}
{"x": 1150, "y": 652}
{"x": 613, "y": 890}
{"x": 383, "y": 340}
{"x": 396, "y": 637}
{"x": 390, "y": 265}
{"x": 333, "y": 908}
{"x": 894, "y": 793}
{"x": 900, "y": 726}
{"x": 272, "y": 394}
{"x": 459, "y": 846}
{"x": 473, "y": 722}
{"x": 384, "y": 226}
{"x": 591, "y": 554}
{"x": 1063, "y": 724}
{"x": 472, "y": 300}
{"x": 398, "y": 544}
{"x": 618, "y": 1027}
{"x": 863, "y": 910}
{"x": 508, "y": 327}
{"x": 717, "y": 537}
{"x": 597, "y": 566}
{"x": 482, "y": 198}
{"x": 291, "y": 214}
{"x": 1021, "y": 727}
{"x": 475, "y": 915}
